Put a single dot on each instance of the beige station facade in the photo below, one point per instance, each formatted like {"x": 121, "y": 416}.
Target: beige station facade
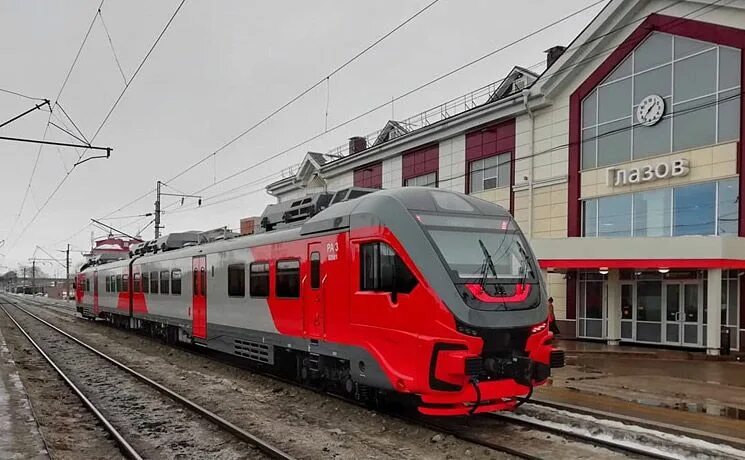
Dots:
{"x": 620, "y": 162}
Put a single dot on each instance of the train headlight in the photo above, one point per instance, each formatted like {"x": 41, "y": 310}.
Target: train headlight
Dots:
{"x": 539, "y": 327}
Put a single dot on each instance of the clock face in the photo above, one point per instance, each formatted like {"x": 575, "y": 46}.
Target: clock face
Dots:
{"x": 650, "y": 110}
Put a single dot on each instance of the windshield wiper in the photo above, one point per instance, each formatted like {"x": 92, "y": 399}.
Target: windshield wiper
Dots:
{"x": 488, "y": 264}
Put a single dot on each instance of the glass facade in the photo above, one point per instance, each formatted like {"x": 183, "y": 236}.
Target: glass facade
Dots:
{"x": 699, "y": 83}
{"x": 656, "y": 308}
{"x": 709, "y": 208}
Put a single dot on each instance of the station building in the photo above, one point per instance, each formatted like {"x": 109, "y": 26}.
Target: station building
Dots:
{"x": 621, "y": 163}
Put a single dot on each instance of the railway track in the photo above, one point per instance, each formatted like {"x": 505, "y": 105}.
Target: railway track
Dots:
{"x": 481, "y": 433}
{"x": 132, "y": 407}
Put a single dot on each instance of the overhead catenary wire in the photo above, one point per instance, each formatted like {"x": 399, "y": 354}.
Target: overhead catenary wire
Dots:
{"x": 304, "y": 92}
{"x": 111, "y": 44}
{"x": 315, "y": 137}
{"x": 105, "y": 120}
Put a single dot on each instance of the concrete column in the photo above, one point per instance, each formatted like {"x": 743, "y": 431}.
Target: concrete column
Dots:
{"x": 614, "y": 307}
{"x": 714, "y": 315}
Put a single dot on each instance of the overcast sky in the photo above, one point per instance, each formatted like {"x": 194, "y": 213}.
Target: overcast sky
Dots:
{"x": 219, "y": 68}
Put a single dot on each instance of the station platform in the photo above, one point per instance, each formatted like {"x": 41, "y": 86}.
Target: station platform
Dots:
{"x": 668, "y": 387}
{"x": 19, "y": 434}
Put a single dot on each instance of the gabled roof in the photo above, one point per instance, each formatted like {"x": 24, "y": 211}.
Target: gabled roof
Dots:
{"x": 391, "y": 130}
{"x": 310, "y": 166}
{"x": 517, "y": 80}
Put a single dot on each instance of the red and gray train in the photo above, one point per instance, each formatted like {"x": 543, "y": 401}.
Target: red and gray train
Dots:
{"x": 420, "y": 292}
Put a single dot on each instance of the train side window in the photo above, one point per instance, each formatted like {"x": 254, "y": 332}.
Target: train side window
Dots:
{"x": 136, "y": 286}
{"x": 381, "y": 269}
{"x": 164, "y": 282}
{"x": 125, "y": 282}
{"x": 236, "y": 280}
{"x": 108, "y": 286}
{"x": 258, "y": 279}
{"x": 153, "y": 282}
{"x": 176, "y": 282}
{"x": 315, "y": 270}
{"x": 88, "y": 285}
{"x": 118, "y": 283}
{"x": 287, "y": 280}
{"x": 146, "y": 282}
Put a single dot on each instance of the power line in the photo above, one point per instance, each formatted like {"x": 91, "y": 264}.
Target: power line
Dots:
{"x": 111, "y": 43}
{"x": 116, "y": 103}
{"x": 21, "y": 95}
{"x": 77, "y": 55}
{"x": 366, "y": 113}
{"x": 306, "y": 91}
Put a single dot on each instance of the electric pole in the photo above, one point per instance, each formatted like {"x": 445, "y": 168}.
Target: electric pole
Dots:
{"x": 67, "y": 273}
{"x": 33, "y": 277}
{"x": 158, "y": 212}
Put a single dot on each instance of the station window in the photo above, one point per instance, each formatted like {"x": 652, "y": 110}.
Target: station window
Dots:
{"x": 425, "y": 180}
{"x": 258, "y": 279}
{"x": 381, "y": 269}
{"x": 136, "y": 284}
{"x": 491, "y": 172}
{"x": 164, "y": 282}
{"x": 176, "y": 282}
{"x": 236, "y": 280}
{"x": 118, "y": 283}
{"x": 153, "y": 282}
{"x": 315, "y": 270}
{"x": 145, "y": 282}
{"x": 288, "y": 278}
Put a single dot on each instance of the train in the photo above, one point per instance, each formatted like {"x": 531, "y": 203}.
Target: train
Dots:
{"x": 422, "y": 293}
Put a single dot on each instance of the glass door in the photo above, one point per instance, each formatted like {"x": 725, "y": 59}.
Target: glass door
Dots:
{"x": 673, "y": 319}
{"x": 683, "y": 304}
{"x": 691, "y": 316}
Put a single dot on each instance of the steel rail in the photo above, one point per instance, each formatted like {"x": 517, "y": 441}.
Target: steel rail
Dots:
{"x": 567, "y": 433}
{"x": 126, "y": 447}
{"x": 240, "y": 433}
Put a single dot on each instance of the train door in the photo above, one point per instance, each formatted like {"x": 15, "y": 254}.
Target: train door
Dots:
{"x": 199, "y": 297}
{"x": 313, "y": 293}
{"x": 95, "y": 293}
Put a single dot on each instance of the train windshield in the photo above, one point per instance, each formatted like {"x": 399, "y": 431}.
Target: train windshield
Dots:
{"x": 465, "y": 247}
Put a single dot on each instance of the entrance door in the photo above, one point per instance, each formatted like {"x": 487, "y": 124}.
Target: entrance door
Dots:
{"x": 313, "y": 318}
{"x": 95, "y": 293}
{"x": 682, "y": 313}
{"x": 199, "y": 297}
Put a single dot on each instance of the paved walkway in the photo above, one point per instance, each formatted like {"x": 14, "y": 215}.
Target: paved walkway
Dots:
{"x": 665, "y": 386}
{"x": 19, "y": 434}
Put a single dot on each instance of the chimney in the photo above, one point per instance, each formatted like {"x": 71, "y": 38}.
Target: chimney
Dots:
{"x": 357, "y": 144}
{"x": 553, "y": 54}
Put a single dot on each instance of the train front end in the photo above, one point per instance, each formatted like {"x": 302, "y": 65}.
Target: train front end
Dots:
{"x": 487, "y": 344}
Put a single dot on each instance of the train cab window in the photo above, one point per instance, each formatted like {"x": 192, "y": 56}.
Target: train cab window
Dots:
{"x": 136, "y": 283}
{"x": 108, "y": 285}
{"x": 164, "y": 282}
{"x": 236, "y": 280}
{"x": 315, "y": 270}
{"x": 176, "y": 282}
{"x": 381, "y": 269}
{"x": 118, "y": 283}
{"x": 87, "y": 285}
{"x": 153, "y": 282}
{"x": 145, "y": 282}
{"x": 258, "y": 279}
{"x": 288, "y": 278}
{"x": 125, "y": 282}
